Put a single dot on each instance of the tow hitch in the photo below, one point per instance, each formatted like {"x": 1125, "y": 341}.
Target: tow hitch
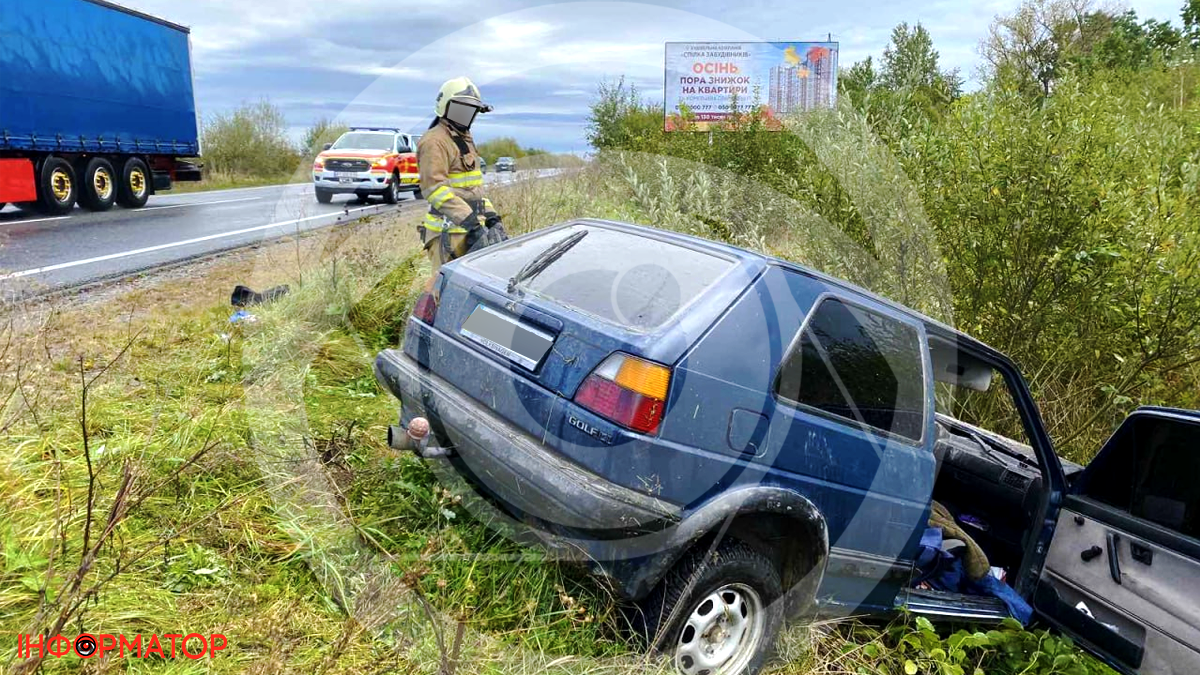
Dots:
{"x": 416, "y": 439}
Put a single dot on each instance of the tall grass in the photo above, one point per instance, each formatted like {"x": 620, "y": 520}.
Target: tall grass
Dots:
{"x": 299, "y": 534}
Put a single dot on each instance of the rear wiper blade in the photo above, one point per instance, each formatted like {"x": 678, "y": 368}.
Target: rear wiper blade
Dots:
{"x": 544, "y": 259}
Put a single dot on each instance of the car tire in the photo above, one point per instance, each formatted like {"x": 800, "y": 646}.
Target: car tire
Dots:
{"x": 391, "y": 195}
{"x": 417, "y": 194}
{"x": 134, "y": 189}
{"x": 98, "y": 185}
{"x": 324, "y": 196}
{"x": 361, "y": 197}
{"x": 58, "y": 187}
{"x": 716, "y": 613}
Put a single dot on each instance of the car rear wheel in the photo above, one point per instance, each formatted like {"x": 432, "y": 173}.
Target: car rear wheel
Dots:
{"x": 324, "y": 196}
{"x": 99, "y": 189}
{"x": 716, "y": 613}
{"x": 134, "y": 189}
{"x": 392, "y": 194}
{"x": 58, "y": 188}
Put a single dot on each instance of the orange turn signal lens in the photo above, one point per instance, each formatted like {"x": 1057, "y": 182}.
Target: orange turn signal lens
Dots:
{"x": 646, "y": 378}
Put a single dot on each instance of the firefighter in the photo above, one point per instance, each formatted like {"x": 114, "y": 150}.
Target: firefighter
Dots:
{"x": 460, "y": 218}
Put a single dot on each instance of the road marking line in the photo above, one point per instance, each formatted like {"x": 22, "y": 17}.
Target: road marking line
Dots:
{"x": 35, "y": 220}
{"x": 186, "y": 242}
{"x": 176, "y": 206}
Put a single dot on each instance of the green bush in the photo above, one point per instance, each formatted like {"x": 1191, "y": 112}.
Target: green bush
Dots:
{"x": 1064, "y": 228}
{"x": 250, "y": 141}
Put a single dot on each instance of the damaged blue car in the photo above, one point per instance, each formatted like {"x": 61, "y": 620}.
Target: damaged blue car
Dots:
{"x": 730, "y": 439}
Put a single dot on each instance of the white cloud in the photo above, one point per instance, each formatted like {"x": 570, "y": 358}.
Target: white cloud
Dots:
{"x": 379, "y": 59}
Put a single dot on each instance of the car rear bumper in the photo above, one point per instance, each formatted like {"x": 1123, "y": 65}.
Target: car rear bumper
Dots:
{"x": 528, "y": 478}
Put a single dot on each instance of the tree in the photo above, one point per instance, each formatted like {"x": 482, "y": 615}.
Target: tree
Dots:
{"x": 323, "y": 131}
{"x": 1191, "y": 23}
{"x": 909, "y": 60}
{"x": 1030, "y": 50}
{"x": 858, "y": 81}
{"x": 909, "y": 76}
{"x": 251, "y": 140}
{"x": 505, "y": 146}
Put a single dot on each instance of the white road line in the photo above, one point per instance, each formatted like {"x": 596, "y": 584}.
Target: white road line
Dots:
{"x": 160, "y": 247}
{"x": 35, "y": 220}
{"x": 176, "y": 206}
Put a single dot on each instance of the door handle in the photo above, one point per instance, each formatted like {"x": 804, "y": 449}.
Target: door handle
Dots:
{"x": 1140, "y": 553}
{"x": 1114, "y": 564}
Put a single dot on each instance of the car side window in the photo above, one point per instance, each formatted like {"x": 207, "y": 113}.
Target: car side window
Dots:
{"x": 402, "y": 144}
{"x": 859, "y": 365}
{"x": 1150, "y": 472}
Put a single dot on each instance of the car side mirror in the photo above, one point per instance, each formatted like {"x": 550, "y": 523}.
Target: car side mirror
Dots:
{"x": 327, "y": 146}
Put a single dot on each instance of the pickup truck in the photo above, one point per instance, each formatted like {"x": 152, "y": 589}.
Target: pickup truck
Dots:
{"x": 368, "y": 161}
{"x": 732, "y": 439}
{"x": 96, "y": 105}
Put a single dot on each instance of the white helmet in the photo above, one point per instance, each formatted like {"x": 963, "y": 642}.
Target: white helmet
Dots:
{"x": 459, "y": 90}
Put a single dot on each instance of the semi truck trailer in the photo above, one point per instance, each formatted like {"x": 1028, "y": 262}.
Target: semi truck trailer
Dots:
{"x": 96, "y": 105}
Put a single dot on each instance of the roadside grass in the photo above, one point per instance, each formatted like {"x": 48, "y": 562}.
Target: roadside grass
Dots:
{"x": 274, "y": 513}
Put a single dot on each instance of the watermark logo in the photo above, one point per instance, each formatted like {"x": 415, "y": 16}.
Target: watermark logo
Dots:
{"x": 170, "y": 645}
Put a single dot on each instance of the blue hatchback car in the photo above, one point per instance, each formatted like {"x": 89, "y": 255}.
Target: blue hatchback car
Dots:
{"x": 730, "y": 439}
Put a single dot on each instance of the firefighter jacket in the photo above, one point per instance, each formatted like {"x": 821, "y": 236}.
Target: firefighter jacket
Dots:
{"x": 451, "y": 179}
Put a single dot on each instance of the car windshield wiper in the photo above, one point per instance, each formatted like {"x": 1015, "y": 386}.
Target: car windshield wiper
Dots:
{"x": 991, "y": 445}
{"x": 544, "y": 259}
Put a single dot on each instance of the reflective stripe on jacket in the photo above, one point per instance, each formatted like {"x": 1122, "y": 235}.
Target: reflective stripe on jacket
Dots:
{"x": 450, "y": 178}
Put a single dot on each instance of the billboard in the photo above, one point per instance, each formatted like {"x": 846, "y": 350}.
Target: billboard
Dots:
{"x": 781, "y": 78}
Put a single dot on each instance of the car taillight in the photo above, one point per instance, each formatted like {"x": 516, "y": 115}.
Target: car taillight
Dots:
{"x": 426, "y": 308}
{"x": 627, "y": 390}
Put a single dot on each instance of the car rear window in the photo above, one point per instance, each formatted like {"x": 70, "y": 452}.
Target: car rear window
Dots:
{"x": 634, "y": 281}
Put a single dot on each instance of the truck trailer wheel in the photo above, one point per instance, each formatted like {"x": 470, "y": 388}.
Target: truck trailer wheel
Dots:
{"x": 58, "y": 189}
{"x": 134, "y": 187}
{"x": 99, "y": 189}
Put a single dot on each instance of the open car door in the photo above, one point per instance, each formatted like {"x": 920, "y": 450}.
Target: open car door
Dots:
{"x": 1123, "y": 573}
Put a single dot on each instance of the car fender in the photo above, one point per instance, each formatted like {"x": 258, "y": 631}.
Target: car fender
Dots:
{"x": 713, "y": 520}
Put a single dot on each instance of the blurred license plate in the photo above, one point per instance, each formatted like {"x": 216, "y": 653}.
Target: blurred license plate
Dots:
{"x": 345, "y": 180}
{"x": 507, "y": 336}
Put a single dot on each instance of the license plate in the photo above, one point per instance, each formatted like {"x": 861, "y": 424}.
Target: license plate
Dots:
{"x": 345, "y": 180}
{"x": 507, "y": 336}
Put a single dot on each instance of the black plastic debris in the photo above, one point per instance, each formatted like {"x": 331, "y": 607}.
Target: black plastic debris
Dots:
{"x": 243, "y": 296}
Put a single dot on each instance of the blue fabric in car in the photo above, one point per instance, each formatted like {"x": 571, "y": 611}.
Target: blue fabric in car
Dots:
{"x": 942, "y": 571}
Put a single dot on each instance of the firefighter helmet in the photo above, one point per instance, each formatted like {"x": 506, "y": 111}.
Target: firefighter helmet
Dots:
{"x": 462, "y": 90}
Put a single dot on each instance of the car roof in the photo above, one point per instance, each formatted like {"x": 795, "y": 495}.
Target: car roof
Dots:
{"x": 932, "y": 326}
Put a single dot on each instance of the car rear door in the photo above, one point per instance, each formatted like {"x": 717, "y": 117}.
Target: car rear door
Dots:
{"x": 1123, "y": 572}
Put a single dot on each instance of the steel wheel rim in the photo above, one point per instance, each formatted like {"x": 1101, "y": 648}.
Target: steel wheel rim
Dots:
{"x": 722, "y": 632}
{"x": 137, "y": 182}
{"x": 60, "y": 185}
{"x": 102, "y": 181}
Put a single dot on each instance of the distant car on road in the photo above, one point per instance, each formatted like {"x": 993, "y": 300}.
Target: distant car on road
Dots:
{"x": 506, "y": 164}
{"x": 482, "y": 164}
{"x": 368, "y": 161}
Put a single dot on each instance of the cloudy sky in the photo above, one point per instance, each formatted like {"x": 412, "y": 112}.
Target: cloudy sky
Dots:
{"x": 382, "y": 61}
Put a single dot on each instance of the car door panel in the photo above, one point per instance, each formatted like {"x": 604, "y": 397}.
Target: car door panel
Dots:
{"x": 1117, "y": 577}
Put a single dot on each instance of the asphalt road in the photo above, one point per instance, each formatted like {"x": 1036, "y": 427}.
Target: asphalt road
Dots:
{"x": 40, "y": 254}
